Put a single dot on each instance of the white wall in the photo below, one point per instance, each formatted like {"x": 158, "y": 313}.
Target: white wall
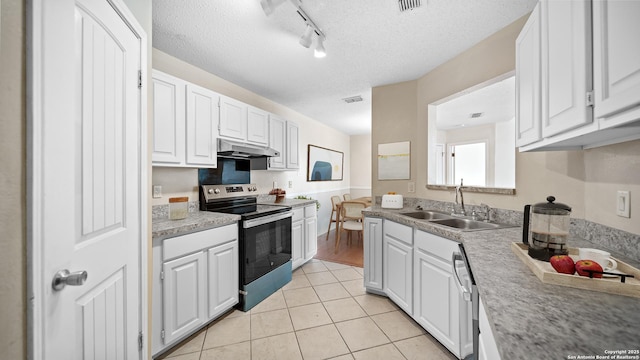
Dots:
{"x": 184, "y": 182}
{"x": 505, "y": 151}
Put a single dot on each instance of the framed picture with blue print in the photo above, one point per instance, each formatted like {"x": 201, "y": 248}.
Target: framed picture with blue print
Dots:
{"x": 324, "y": 164}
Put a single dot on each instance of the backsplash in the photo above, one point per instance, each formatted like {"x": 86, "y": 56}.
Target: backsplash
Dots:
{"x": 616, "y": 240}
{"x": 162, "y": 211}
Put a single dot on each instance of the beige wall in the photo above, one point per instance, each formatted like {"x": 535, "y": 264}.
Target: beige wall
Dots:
{"x": 12, "y": 181}
{"x": 360, "y": 154}
{"x": 586, "y": 180}
{"x": 184, "y": 182}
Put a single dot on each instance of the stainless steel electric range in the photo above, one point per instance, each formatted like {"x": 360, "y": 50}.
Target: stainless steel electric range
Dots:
{"x": 264, "y": 237}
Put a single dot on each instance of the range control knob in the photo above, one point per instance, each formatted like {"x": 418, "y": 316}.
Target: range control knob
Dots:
{"x": 210, "y": 191}
{"x": 216, "y": 191}
{"x": 255, "y": 188}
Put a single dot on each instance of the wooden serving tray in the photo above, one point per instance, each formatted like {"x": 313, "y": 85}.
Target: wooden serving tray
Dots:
{"x": 548, "y": 275}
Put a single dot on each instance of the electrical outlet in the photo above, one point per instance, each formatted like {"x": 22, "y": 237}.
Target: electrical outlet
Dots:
{"x": 622, "y": 204}
{"x": 411, "y": 187}
{"x": 157, "y": 191}
{"x": 290, "y": 184}
{"x": 275, "y": 184}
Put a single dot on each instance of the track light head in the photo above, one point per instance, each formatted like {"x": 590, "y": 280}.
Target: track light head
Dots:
{"x": 319, "y": 51}
{"x": 305, "y": 40}
{"x": 268, "y": 6}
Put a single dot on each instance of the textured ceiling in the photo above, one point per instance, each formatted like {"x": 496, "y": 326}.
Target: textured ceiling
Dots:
{"x": 369, "y": 43}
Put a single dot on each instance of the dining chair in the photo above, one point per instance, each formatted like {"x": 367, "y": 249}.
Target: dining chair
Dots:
{"x": 351, "y": 219}
{"x": 335, "y": 202}
{"x": 347, "y": 197}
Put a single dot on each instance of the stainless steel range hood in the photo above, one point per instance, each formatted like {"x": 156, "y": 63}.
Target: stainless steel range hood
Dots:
{"x": 238, "y": 150}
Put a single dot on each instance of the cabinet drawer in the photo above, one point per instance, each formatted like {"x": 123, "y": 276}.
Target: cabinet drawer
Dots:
{"x": 398, "y": 231}
{"x": 435, "y": 245}
{"x": 310, "y": 211}
{"x": 298, "y": 214}
{"x": 198, "y": 241}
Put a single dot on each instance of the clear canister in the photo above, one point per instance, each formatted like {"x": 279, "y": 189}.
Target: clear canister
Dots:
{"x": 178, "y": 208}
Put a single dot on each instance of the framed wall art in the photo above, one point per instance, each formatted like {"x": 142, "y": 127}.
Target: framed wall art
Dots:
{"x": 394, "y": 161}
{"x": 324, "y": 164}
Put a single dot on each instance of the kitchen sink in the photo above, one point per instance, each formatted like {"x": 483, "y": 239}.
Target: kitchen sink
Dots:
{"x": 470, "y": 225}
{"x": 428, "y": 215}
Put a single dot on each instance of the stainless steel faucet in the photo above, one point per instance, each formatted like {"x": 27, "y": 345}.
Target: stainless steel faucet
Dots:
{"x": 463, "y": 212}
{"x": 487, "y": 212}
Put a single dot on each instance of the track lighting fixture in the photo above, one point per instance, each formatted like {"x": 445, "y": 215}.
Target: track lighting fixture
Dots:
{"x": 310, "y": 30}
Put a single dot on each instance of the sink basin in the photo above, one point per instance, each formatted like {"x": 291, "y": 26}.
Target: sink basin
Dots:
{"x": 469, "y": 225}
{"x": 427, "y": 215}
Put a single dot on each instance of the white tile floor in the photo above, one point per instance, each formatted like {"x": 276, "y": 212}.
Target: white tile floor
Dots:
{"x": 323, "y": 313}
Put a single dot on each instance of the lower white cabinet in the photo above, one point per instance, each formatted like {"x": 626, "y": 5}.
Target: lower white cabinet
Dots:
{"x": 304, "y": 235}
{"x": 195, "y": 280}
{"x": 398, "y": 264}
{"x": 487, "y": 347}
{"x": 373, "y": 254}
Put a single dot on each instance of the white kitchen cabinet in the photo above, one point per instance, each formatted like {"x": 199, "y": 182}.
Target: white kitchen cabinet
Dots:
{"x": 566, "y": 68}
{"x": 297, "y": 238}
{"x": 195, "y": 280}
{"x": 168, "y": 94}
{"x": 310, "y": 232}
{"x": 438, "y": 304}
{"x": 222, "y": 282}
{"x": 304, "y": 235}
{"x": 398, "y": 264}
{"x": 233, "y": 119}
{"x": 487, "y": 347}
{"x": 590, "y": 76}
{"x": 277, "y": 141}
{"x": 202, "y": 119}
{"x": 528, "y": 81}
{"x": 292, "y": 146}
{"x": 616, "y": 58}
{"x": 184, "y": 295}
{"x": 257, "y": 126}
{"x": 185, "y": 117}
{"x": 373, "y": 254}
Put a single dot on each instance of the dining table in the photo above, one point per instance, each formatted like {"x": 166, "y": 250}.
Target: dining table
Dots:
{"x": 366, "y": 200}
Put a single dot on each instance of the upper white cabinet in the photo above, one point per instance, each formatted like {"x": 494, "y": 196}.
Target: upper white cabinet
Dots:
{"x": 589, "y": 75}
{"x": 616, "y": 58}
{"x": 184, "y": 123}
{"x": 277, "y": 141}
{"x": 292, "y": 146}
{"x": 528, "y": 81}
{"x": 242, "y": 122}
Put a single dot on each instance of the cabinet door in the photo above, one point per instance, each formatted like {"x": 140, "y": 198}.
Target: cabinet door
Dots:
{"x": 233, "y": 119}
{"x": 616, "y": 31}
{"x": 398, "y": 273}
{"x": 373, "y": 254}
{"x": 293, "y": 158}
{"x": 310, "y": 237}
{"x": 566, "y": 65}
{"x": 277, "y": 131}
{"x": 202, "y": 122}
{"x": 528, "y": 81}
{"x": 168, "y": 119}
{"x": 488, "y": 348}
{"x": 183, "y": 295}
{"x": 297, "y": 243}
{"x": 257, "y": 126}
{"x": 437, "y": 300}
{"x": 223, "y": 268}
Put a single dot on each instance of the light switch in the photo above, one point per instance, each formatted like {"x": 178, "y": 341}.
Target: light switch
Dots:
{"x": 411, "y": 187}
{"x": 623, "y": 206}
{"x": 157, "y": 191}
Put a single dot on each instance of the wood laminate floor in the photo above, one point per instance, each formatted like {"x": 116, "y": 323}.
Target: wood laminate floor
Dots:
{"x": 348, "y": 254}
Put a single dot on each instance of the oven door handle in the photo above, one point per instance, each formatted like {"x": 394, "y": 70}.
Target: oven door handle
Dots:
{"x": 266, "y": 219}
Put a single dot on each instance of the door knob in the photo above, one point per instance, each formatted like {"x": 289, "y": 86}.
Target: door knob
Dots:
{"x": 64, "y": 277}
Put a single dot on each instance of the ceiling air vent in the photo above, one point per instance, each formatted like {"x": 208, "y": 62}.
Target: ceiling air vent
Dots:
{"x": 476, "y": 115}
{"x": 352, "y": 99}
{"x": 409, "y": 4}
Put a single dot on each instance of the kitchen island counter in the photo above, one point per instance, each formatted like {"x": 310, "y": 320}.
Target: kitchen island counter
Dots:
{"x": 532, "y": 320}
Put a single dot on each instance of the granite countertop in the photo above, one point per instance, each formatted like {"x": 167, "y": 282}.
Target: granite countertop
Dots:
{"x": 530, "y": 319}
{"x": 164, "y": 228}
{"x": 288, "y": 202}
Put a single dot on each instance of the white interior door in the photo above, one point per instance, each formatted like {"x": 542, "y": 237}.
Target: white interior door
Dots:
{"x": 87, "y": 173}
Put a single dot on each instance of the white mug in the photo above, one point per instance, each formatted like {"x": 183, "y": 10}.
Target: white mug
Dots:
{"x": 603, "y": 258}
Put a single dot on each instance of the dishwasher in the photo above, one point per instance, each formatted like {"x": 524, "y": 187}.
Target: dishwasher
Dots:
{"x": 467, "y": 286}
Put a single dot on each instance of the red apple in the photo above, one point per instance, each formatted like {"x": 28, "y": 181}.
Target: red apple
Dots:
{"x": 563, "y": 264}
{"x": 582, "y": 265}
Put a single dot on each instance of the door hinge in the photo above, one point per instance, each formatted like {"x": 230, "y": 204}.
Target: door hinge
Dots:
{"x": 140, "y": 340}
{"x": 139, "y": 79}
{"x": 162, "y": 334}
{"x": 590, "y": 98}
{"x": 161, "y": 275}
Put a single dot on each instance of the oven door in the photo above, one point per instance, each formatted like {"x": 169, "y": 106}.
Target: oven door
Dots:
{"x": 265, "y": 244}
